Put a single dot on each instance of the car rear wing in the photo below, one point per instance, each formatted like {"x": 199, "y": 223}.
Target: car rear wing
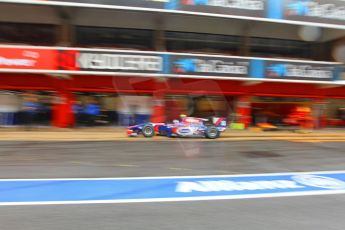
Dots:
{"x": 219, "y": 122}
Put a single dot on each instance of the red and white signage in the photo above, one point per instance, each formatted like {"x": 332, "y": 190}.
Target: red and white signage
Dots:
{"x": 22, "y": 58}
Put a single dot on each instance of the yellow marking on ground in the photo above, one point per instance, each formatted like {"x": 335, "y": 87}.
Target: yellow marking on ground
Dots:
{"x": 316, "y": 141}
{"x": 305, "y": 141}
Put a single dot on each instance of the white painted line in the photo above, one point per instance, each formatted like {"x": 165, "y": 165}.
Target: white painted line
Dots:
{"x": 178, "y": 177}
{"x": 151, "y": 200}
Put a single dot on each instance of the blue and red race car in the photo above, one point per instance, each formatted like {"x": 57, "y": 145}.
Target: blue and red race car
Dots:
{"x": 186, "y": 127}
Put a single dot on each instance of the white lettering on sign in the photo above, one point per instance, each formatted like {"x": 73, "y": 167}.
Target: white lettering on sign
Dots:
{"x": 307, "y": 71}
{"x": 227, "y": 185}
{"x": 238, "y": 4}
{"x": 17, "y": 62}
{"x": 31, "y": 54}
{"x": 119, "y": 62}
{"x": 217, "y": 66}
{"x": 319, "y": 181}
{"x": 330, "y": 11}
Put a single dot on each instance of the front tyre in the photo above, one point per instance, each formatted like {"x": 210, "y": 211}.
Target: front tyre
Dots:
{"x": 148, "y": 131}
{"x": 212, "y": 132}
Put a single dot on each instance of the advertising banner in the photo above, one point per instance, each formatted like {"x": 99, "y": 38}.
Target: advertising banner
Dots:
{"x": 128, "y": 62}
{"x": 317, "y": 11}
{"x": 248, "y": 8}
{"x": 208, "y": 66}
{"x": 214, "y": 66}
{"x": 159, "y": 189}
{"x": 299, "y": 71}
{"x": 84, "y": 61}
{"x": 285, "y": 70}
{"x": 30, "y": 58}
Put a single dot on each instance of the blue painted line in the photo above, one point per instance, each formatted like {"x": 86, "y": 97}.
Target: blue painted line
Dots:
{"x": 55, "y": 191}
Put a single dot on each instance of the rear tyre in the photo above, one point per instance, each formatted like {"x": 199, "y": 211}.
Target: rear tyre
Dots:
{"x": 212, "y": 132}
{"x": 148, "y": 131}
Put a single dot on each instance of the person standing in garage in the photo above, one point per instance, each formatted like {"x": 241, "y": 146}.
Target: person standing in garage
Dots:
{"x": 92, "y": 111}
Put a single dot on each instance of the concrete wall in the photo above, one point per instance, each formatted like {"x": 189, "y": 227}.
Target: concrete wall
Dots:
{"x": 28, "y": 14}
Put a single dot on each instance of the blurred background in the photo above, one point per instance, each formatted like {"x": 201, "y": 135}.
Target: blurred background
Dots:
{"x": 82, "y": 63}
{"x": 77, "y": 72}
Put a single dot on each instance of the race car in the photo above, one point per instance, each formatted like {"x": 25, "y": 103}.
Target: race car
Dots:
{"x": 186, "y": 127}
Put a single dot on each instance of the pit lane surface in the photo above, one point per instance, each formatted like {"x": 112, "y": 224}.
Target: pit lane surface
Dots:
{"x": 180, "y": 158}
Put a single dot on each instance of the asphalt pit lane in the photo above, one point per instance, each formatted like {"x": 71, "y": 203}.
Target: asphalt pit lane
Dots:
{"x": 261, "y": 154}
